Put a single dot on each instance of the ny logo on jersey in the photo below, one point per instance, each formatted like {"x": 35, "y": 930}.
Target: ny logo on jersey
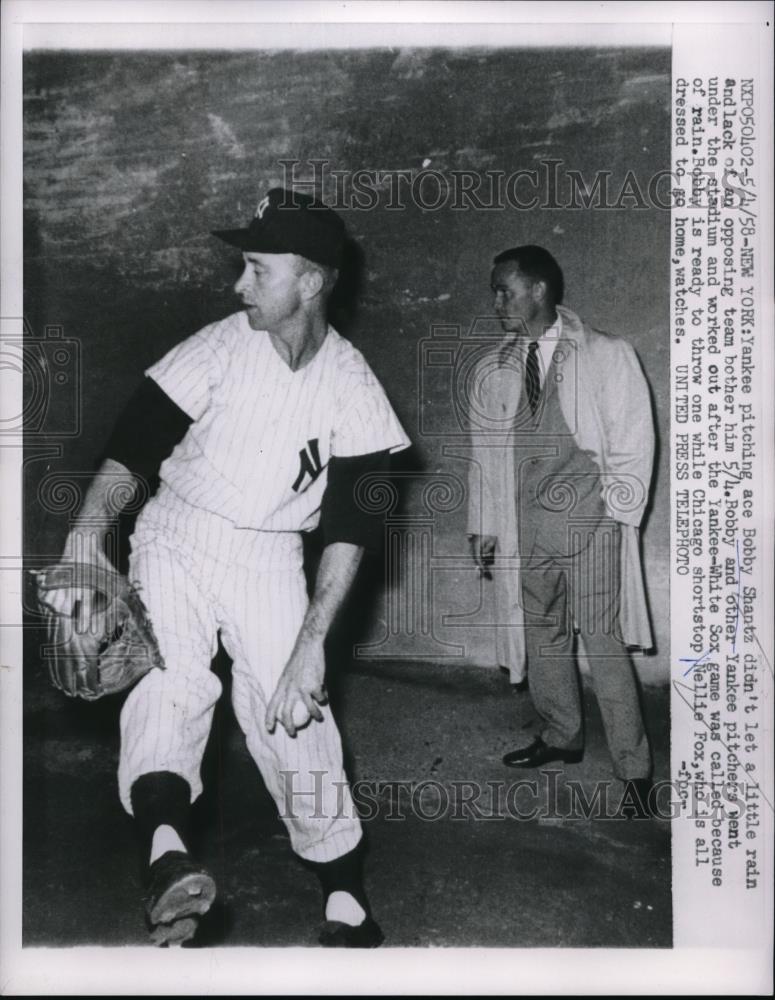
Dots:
{"x": 262, "y": 206}
{"x": 309, "y": 464}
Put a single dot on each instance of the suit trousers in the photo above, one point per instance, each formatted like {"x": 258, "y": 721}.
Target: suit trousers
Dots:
{"x": 582, "y": 589}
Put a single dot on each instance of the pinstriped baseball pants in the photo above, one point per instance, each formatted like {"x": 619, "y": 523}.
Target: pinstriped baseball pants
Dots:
{"x": 199, "y": 575}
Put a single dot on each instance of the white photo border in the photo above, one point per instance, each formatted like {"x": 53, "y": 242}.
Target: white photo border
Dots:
{"x": 91, "y": 971}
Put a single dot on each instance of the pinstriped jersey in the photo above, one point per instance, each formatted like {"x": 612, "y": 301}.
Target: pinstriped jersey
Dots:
{"x": 262, "y": 435}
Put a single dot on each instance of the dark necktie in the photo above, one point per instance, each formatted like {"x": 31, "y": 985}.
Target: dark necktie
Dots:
{"x": 532, "y": 376}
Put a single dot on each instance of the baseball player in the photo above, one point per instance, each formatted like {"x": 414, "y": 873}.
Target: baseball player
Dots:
{"x": 260, "y": 425}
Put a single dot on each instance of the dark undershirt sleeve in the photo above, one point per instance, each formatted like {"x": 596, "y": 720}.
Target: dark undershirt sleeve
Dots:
{"x": 341, "y": 516}
{"x": 147, "y": 431}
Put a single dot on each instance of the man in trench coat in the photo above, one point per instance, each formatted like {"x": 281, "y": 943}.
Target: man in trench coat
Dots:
{"x": 562, "y": 446}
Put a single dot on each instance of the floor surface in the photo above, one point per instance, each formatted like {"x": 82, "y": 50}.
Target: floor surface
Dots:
{"x": 440, "y": 873}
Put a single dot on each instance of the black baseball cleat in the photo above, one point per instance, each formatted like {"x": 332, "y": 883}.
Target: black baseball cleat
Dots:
{"x": 539, "y": 753}
{"x": 179, "y": 892}
{"x": 336, "y": 934}
{"x": 175, "y": 934}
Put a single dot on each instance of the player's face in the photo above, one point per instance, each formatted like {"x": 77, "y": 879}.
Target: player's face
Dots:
{"x": 269, "y": 289}
{"x": 516, "y": 300}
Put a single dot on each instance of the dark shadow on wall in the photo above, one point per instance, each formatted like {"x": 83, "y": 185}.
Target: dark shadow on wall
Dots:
{"x": 345, "y": 298}
{"x": 376, "y": 577}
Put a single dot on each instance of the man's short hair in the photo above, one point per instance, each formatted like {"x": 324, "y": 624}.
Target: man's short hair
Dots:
{"x": 327, "y": 273}
{"x": 536, "y": 263}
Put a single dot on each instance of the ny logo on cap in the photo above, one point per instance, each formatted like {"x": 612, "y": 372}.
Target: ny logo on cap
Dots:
{"x": 262, "y": 206}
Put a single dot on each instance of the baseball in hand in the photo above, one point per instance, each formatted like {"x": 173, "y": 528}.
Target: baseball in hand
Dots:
{"x": 300, "y": 714}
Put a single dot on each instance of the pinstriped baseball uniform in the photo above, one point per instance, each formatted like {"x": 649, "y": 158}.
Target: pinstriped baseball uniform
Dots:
{"x": 219, "y": 549}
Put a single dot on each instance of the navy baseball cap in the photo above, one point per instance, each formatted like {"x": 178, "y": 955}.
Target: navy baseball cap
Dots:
{"x": 291, "y": 222}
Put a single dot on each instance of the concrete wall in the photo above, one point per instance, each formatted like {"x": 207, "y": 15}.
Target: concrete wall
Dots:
{"x": 130, "y": 160}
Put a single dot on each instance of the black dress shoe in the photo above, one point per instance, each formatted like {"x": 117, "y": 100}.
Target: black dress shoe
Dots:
{"x": 539, "y": 753}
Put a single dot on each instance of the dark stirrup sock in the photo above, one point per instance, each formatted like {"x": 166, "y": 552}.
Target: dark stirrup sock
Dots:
{"x": 161, "y": 798}
{"x": 344, "y": 874}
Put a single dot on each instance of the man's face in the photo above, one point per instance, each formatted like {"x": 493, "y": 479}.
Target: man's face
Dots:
{"x": 270, "y": 288}
{"x": 517, "y": 300}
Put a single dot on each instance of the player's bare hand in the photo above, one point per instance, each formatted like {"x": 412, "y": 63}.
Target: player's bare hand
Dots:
{"x": 483, "y": 553}
{"x": 300, "y": 691}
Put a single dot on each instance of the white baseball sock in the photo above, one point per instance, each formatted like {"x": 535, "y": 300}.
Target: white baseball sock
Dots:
{"x": 165, "y": 839}
{"x": 345, "y": 908}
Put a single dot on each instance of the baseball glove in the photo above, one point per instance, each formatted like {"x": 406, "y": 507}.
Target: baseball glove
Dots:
{"x": 115, "y": 649}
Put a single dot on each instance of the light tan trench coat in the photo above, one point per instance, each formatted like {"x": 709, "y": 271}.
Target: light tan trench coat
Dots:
{"x": 605, "y": 402}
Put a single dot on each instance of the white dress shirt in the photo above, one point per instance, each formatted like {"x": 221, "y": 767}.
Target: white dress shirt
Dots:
{"x": 547, "y": 344}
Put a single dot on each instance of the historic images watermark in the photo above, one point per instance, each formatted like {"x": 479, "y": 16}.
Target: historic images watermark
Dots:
{"x": 42, "y": 411}
{"x": 548, "y": 796}
{"x": 550, "y": 184}
{"x": 49, "y": 367}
